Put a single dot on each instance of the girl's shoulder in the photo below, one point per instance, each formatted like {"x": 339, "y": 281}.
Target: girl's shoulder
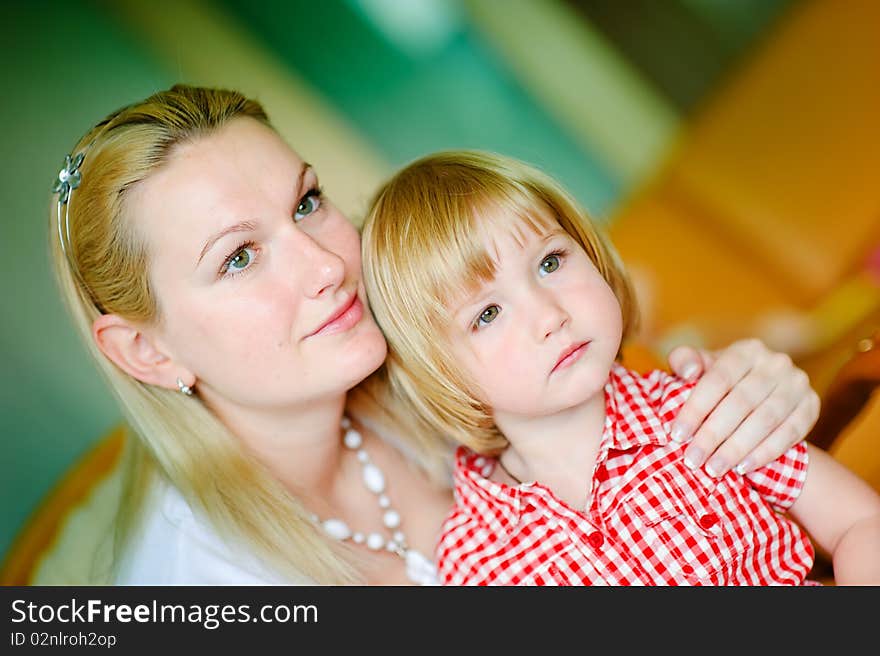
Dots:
{"x": 663, "y": 390}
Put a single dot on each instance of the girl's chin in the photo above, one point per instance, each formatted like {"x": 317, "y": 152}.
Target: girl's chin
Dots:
{"x": 586, "y": 376}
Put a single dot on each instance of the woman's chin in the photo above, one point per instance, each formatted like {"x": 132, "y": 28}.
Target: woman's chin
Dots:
{"x": 365, "y": 355}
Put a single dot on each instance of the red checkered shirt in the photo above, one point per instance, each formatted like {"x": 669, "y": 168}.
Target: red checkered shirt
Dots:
{"x": 651, "y": 520}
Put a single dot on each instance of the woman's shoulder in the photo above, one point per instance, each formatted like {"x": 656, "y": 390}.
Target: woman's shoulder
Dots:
{"x": 176, "y": 546}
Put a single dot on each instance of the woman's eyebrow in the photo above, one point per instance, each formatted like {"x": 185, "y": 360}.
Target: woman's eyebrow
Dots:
{"x": 302, "y": 176}
{"x": 241, "y": 226}
{"x": 244, "y": 226}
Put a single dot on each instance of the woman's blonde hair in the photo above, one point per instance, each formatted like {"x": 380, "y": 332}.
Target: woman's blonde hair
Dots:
{"x": 105, "y": 270}
{"x": 422, "y": 246}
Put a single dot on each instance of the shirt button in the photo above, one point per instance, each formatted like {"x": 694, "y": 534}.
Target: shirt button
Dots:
{"x": 687, "y": 569}
{"x": 708, "y": 520}
{"x": 596, "y": 539}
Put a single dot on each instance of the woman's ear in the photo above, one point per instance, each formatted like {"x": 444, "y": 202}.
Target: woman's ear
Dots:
{"x": 133, "y": 351}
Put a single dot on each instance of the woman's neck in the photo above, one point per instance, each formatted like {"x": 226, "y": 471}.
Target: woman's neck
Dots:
{"x": 301, "y": 445}
{"x": 557, "y": 450}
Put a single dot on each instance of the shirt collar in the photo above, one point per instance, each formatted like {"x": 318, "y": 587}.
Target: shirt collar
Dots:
{"x": 630, "y": 421}
{"x": 497, "y": 504}
{"x": 631, "y": 410}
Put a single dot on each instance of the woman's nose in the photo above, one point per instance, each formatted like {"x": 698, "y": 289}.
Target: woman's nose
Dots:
{"x": 325, "y": 270}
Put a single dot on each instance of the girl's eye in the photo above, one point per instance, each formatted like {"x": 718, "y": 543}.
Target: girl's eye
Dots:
{"x": 550, "y": 263}
{"x": 308, "y": 205}
{"x": 487, "y": 316}
{"x": 239, "y": 260}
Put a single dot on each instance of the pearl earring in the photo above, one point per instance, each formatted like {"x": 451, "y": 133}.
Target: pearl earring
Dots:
{"x": 184, "y": 389}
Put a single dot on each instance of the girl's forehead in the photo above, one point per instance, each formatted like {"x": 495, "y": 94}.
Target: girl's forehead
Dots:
{"x": 504, "y": 228}
{"x": 471, "y": 254}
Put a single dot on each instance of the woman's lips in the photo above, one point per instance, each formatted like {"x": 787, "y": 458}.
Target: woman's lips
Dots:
{"x": 347, "y": 317}
{"x": 569, "y": 356}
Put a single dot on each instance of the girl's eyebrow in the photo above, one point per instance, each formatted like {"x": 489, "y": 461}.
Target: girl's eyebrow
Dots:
{"x": 475, "y": 298}
{"x": 469, "y": 302}
{"x": 243, "y": 226}
{"x": 552, "y": 234}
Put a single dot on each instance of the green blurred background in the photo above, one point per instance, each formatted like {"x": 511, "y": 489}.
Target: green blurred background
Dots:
{"x": 594, "y": 91}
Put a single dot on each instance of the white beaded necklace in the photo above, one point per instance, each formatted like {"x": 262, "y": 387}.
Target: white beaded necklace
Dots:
{"x": 419, "y": 569}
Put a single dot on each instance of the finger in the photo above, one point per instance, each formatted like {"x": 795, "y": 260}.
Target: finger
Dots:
{"x": 752, "y": 404}
{"x": 787, "y": 434}
{"x": 754, "y": 428}
{"x": 707, "y": 357}
{"x": 793, "y": 395}
{"x": 687, "y": 362}
{"x": 722, "y": 376}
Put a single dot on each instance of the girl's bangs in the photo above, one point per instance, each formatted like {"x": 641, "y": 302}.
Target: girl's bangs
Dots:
{"x": 468, "y": 258}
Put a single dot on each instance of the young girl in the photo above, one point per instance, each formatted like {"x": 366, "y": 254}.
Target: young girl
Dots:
{"x": 505, "y": 310}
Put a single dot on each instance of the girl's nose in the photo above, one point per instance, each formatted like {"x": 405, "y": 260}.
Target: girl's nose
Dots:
{"x": 550, "y": 316}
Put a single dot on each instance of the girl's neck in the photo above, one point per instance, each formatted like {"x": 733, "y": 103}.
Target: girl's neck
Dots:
{"x": 557, "y": 450}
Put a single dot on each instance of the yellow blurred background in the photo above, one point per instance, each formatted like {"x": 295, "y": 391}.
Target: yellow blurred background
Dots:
{"x": 731, "y": 149}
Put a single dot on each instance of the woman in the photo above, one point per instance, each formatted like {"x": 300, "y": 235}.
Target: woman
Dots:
{"x": 221, "y": 295}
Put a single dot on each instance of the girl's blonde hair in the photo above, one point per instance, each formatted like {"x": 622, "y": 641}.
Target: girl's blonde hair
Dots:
{"x": 422, "y": 246}
{"x": 105, "y": 270}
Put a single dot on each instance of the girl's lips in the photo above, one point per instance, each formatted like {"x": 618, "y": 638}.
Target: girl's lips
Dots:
{"x": 345, "y": 319}
{"x": 569, "y": 356}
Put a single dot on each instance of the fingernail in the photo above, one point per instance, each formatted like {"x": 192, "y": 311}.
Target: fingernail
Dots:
{"x": 689, "y": 371}
{"x": 744, "y": 467}
{"x": 693, "y": 457}
{"x": 715, "y": 467}
{"x": 679, "y": 434}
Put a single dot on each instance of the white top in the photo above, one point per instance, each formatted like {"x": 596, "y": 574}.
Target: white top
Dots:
{"x": 175, "y": 546}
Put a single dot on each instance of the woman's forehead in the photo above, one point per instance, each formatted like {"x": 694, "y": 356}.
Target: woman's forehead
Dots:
{"x": 241, "y": 172}
{"x": 244, "y": 143}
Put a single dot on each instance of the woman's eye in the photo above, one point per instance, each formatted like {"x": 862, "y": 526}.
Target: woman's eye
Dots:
{"x": 239, "y": 260}
{"x": 308, "y": 205}
{"x": 488, "y": 315}
{"x": 549, "y": 264}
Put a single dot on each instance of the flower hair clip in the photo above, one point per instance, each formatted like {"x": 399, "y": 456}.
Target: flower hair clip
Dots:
{"x": 68, "y": 178}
